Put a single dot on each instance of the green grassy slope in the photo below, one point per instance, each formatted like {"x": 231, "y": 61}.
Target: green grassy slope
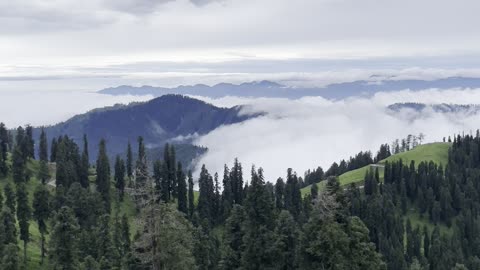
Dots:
{"x": 436, "y": 152}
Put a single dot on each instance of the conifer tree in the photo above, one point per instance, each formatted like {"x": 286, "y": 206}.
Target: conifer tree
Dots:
{"x": 103, "y": 174}
{"x": 43, "y": 146}
{"x": 286, "y": 234}
{"x": 182, "y": 190}
{"x": 227, "y": 193}
{"x": 85, "y": 165}
{"x": 119, "y": 176}
{"x": 141, "y": 169}
{"x": 233, "y": 239}
{"x": 43, "y": 172}
{"x": 259, "y": 225}
{"x": 129, "y": 164}
{"x": 41, "y": 212}
{"x": 63, "y": 240}
{"x": 23, "y": 216}
{"x": 29, "y": 143}
{"x": 8, "y": 230}
{"x": 10, "y": 200}
{"x": 191, "y": 196}
{"x": 18, "y": 166}
{"x": 53, "y": 150}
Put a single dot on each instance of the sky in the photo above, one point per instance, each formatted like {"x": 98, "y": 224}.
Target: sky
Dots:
{"x": 92, "y": 44}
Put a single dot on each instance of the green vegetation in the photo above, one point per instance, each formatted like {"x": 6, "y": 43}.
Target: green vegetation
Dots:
{"x": 436, "y": 152}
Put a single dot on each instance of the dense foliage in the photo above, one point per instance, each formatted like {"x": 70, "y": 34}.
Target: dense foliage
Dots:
{"x": 421, "y": 216}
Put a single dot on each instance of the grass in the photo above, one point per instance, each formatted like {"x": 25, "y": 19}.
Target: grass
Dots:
{"x": 436, "y": 152}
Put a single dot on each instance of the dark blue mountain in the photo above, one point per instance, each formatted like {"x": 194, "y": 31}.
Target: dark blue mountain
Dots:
{"x": 167, "y": 118}
{"x": 272, "y": 89}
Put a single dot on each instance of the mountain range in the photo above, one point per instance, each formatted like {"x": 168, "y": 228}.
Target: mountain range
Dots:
{"x": 273, "y": 89}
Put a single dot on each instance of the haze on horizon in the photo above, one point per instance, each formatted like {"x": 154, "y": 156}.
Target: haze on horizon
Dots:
{"x": 92, "y": 44}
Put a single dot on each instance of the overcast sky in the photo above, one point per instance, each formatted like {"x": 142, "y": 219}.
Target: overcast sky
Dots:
{"x": 91, "y": 44}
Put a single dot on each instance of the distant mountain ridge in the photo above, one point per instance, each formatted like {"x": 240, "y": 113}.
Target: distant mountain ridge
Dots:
{"x": 273, "y": 89}
{"x": 439, "y": 108}
{"x": 158, "y": 121}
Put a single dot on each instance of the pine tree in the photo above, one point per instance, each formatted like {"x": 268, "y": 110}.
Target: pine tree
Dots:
{"x": 23, "y": 216}
{"x": 141, "y": 169}
{"x": 83, "y": 174}
{"x": 191, "y": 196}
{"x": 259, "y": 225}
{"x": 125, "y": 234}
{"x": 182, "y": 190}
{"x": 8, "y": 230}
{"x": 29, "y": 143}
{"x": 63, "y": 252}
{"x": 53, "y": 150}
{"x": 10, "y": 200}
{"x": 129, "y": 161}
{"x": 43, "y": 172}
{"x": 41, "y": 212}
{"x": 119, "y": 176}
{"x": 286, "y": 234}
{"x": 43, "y": 147}
{"x": 103, "y": 174}
{"x": 18, "y": 166}
{"x": 233, "y": 239}
{"x": 227, "y": 193}
{"x": 206, "y": 198}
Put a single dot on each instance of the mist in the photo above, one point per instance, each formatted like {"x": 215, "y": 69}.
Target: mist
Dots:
{"x": 39, "y": 108}
{"x": 309, "y": 132}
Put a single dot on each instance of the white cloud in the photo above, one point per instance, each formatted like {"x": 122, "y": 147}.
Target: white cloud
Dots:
{"x": 312, "y": 131}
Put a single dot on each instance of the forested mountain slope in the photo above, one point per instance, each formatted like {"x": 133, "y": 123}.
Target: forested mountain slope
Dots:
{"x": 157, "y": 121}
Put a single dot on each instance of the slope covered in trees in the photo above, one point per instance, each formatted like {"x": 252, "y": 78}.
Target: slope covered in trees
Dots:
{"x": 436, "y": 152}
{"x": 158, "y": 120}
{"x": 128, "y": 216}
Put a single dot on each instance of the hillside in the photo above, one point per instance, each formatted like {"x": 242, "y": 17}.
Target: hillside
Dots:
{"x": 158, "y": 121}
{"x": 436, "y": 152}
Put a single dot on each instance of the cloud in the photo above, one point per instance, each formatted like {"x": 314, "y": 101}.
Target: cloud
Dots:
{"x": 49, "y": 107}
{"x": 305, "y": 133}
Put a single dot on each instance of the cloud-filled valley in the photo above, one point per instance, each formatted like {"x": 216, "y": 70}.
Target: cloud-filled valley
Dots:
{"x": 312, "y": 131}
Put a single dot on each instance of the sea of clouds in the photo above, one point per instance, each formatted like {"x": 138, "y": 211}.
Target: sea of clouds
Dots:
{"x": 309, "y": 132}
{"x": 300, "y": 134}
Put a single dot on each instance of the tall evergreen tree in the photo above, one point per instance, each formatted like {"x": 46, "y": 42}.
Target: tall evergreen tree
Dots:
{"x": 23, "y": 216}
{"x": 18, "y": 166}
{"x": 103, "y": 174}
{"x": 286, "y": 245}
{"x": 191, "y": 195}
{"x": 141, "y": 168}
{"x": 83, "y": 175}
{"x": 233, "y": 240}
{"x": 41, "y": 212}
{"x": 43, "y": 146}
{"x": 182, "y": 190}
{"x": 63, "y": 240}
{"x": 53, "y": 150}
{"x": 259, "y": 225}
{"x": 29, "y": 142}
{"x": 10, "y": 200}
{"x": 119, "y": 176}
{"x": 129, "y": 161}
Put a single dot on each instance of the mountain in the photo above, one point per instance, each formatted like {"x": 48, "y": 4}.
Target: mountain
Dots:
{"x": 272, "y": 89}
{"x": 173, "y": 118}
{"x": 439, "y": 108}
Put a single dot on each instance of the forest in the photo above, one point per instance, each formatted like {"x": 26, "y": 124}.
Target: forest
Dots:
{"x": 59, "y": 211}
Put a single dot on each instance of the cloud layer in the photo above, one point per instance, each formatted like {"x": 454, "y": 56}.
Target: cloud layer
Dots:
{"x": 305, "y": 133}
